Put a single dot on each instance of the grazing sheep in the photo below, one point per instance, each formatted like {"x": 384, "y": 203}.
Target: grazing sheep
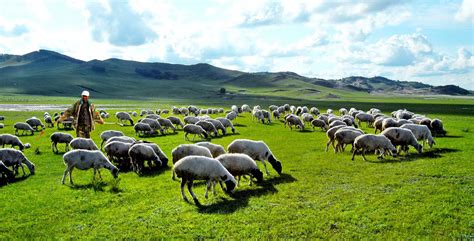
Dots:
{"x": 267, "y": 116}
{"x": 7, "y": 139}
{"x": 207, "y": 126}
{"x": 314, "y": 111}
{"x": 404, "y": 115}
{"x": 337, "y": 123}
{"x": 350, "y": 121}
{"x": 60, "y": 137}
{"x": 345, "y": 137}
{"x": 241, "y": 164}
{"x": 273, "y": 107}
{"x": 24, "y": 127}
{"x": 83, "y": 143}
{"x": 117, "y": 151}
{"x": 307, "y": 117}
{"x": 48, "y": 120}
{"x": 373, "y": 143}
{"x": 234, "y": 108}
{"x": 218, "y": 125}
{"x": 378, "y": 123}
{"x": 185, "y": 150}
{"x": 276, "y": 114}
{"x": 191, "y": 120}
{"x": 319, "y": 123}
{"x": 176, "y": 121}
{"x": 196, "y": 130}
{"x": 294, "y": 120}
{"x": 343, "y": 111}
{"x": 86, "y": 159}
{"x": 166, "y": 124}
{"x": 216, "y": 150}
{"x": 124, "y": 116}
{"x": 389, "y": 122}
{"x": 194, "y": 110}
{"x": 421, "y": 132}
{"x": 258, "y": 115}
{"x": 124, "y": 139}
{"x": 105, "y": 135}
{"x": 324, "y": 118}
{"x": 329, "y": 111}
{"x": 35, "y": 122}
{"x": 143, "y": 129}
{"x": 402, "y": 137}
{"x": 139, "y": 153}
{"x": 364, "y": 117}
{"x": 153, "y": 116}
{"x": 437, "y": 127}
{"x": 246, "y": 108}
{"x": 203, "y": 112}
{"x": 5, "y": 172}
{"x": 331, "y": 119}
{"x": 15, "y": 158}
{"x": 154, "y": 124}
{"x": 330, "y": 134}
{"x": 281, "y": 109}
{"x": 193, "y": 168}
{"x": 227, "y": 123}
{"x": 257, "y": 150}
{"x": 157, "y": 150}
{"x": 231, "y": 115}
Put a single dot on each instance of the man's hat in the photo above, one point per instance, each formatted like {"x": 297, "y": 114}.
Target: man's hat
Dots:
{"x": 85, "y": 92}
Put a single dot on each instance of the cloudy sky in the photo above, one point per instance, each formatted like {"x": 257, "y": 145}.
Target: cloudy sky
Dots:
{"x": 427, "y": 41}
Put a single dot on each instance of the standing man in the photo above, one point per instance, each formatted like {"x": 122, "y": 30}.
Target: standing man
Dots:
{"x": 84, "y": 116}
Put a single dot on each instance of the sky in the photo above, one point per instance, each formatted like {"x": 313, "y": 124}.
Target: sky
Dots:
{"x": 426, "y": 41}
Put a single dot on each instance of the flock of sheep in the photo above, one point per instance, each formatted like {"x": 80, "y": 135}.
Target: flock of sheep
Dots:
{"x": 211, "y": 162}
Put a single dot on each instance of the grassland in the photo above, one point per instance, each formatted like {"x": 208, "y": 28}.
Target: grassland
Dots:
{"x": 319, "y": 195}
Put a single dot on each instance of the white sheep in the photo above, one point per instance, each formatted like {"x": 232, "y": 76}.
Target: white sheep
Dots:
{"x": 139, "y": 153}
{"x": 166, "y": 124}
{"x": 226, "y": 123}
{"x": 402, "y": 137}
{"x": 421, "y": 132}
{"x": 105, "y": 135}
{"x": 319, "y": 123}
{"x": 373, "y": 143}
{"x": 124, "y": 139}
{"x": 267, "y": 116}
{"x": 343, "y": 111}
{"x": 118, "y": 152}
{"x": 276, "y": 114}
{"x": 257, "y": 150}
{"x": 330, "y": 134}
{"x": 143, "y": 129}
{"x": 337, "y": 123}
{"x": 195, "y": 130}
{"x": 365, "y": 117}
{"x": 294, "y": 120}
{"x": 83, "y": 143}
{"x": 218, "y": 125}
{"x": 154, "y": 124}
{"x": 48, "y": 120}
{"x": 23, "y": 127}
{"x": 191, "y": 119}
{"x": 307, "y": 117}
{"x": 246, "y": 108}
{"x": 241, "y": 164}
{"x": 15, "y": 158}
{"x": 436, "y": 126}
{"x": 124, "y": 116}
{"x": 193, "y": 168}
{"x": 185, "y": 150}
{"x": 157, "y": 150}
{"x": 7, "y": 139}
{"x": 84, "y": 160}
{"x": 231, "y": 115}
{"x": 60, "y": 137}
{"x": 176, "y": 121}
{"x": 207, "y": 126}
{"x": 314, "y": 111}
{"x": 345, "y": 137}
{"x": 258, "y": 115}
{"x": 216, "y": 150}
{"x": 35, "y": 122}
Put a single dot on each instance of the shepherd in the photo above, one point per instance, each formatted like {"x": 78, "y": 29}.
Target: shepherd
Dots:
{"x": 84, "y": 114}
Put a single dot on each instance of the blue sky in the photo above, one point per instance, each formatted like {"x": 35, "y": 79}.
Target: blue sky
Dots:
{"x": 427, "y": 41}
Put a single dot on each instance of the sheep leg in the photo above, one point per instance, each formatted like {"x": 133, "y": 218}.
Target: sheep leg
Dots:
{"x": 354, "y": 153}
{"x": 183, "y": 182}
{"x": 22, "y": 168}
{"x": 208, "y": 186}
{"x": 190, "y": 189}
{"x": 265, "y": 166}
{"x": 363, "y": 155}
{"x": 327, "y": 145}
{"x": 52, "y": 147}
{"x": 64, "y": 176}
{"x": 214, "y": 188}
{"x": 70, "y": 176}
{"x": 238, "y": 180}
{"x": 100, "y": 176}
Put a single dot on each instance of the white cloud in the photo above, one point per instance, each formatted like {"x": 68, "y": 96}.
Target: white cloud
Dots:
{"x": 466, "y": 11}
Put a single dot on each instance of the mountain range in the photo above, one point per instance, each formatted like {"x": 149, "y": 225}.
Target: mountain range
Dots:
{"x": 50, "y": 73}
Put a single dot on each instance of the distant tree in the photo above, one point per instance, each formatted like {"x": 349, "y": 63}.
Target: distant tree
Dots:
{"x": 222, "y": 90}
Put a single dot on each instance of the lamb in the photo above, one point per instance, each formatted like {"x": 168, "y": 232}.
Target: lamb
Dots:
{"x": 24, "y": 127}
{"x": 437, "y": 127}
{"x": 202, "y": 168}
{"x": 35, "y": 122}
{"x": 257, "y": 150}
{"x": 216, "y": 150}
{"x": 143, "y": 129}
{"x": 15, "y": 158}
{"x": 7, "y": 139}
{"x": 176, "y": 121}
{"x": 227, "y": 123}
{"x": 124, "y": 139}
{"x": 84, "y": 160}
{"x": 196, "y": 130}
{"x": 185, "y": 150}
{"x": 218, "y": 125}
{"x": 5, "y": 172}
{"x": 364, "y": 117}
{"x": 139, "y": 153}
{"x": 105, "y": 135}
{"x": 402, "y": 137}
{"x": 124, "y": 116}
{"x": 166, "y": 124}
{"x": 319, "y": 123}
{"x": 117, "y": 151}
{"x": 83, "y": 143}
{"x": 239, "y": 165}
{"x": 60, "y": 137}
{"x": 154, "y": 124}
{"x": 370, "y": 142}
{"x": 207, "y": 126}
{"x": 344, "y": 137}
{"x": 294, "y": 120}
{"x": 421, "y": 132}
{"x": 191, "y": 120}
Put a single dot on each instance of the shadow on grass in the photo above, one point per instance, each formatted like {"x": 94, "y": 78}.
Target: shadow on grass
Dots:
{"x": 97, "y": 186}
{"x": 431, "y": 153}
{"x": 5, "y": 181}
{"x": 148, "y": 172}
{"x": 240, "y": 125}
{"x": 448, "y": 136}
{"x": 240, "y": 198}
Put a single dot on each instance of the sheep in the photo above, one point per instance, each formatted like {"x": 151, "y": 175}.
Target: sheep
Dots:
{"x": 276, "y": 114}
{"x": 293, "y": 109}
{"x": 84, "y": 160}
{"x": 185, "y": 150}
{"x": 117, "y": 151}
{"x": 246, "y": 108}
{"x": 227, "y": 123}
{"x": 329, "y": 111}
{"x": 207, "y": 126}
{"x": 258, "y": 114}
{"x": 60, "y": 137}
{"x": 7, "y": 139}
{"x": 267, "y": 116}
{"x": 294, "y": 120}
{"x": 48, "y": 120}
{"x": 241, "y": 164}
{"x": 319, "y": 123}
{"x": 257, "y": 150}
{"x": 165, "y": 111}
{"x": 124, "y": 139}
{"x": 371, "y": 143}
{"x": 437, "y": 127}
{"x": 273, "y": 107}
{"x": 402, "y": 137}
{"x": 184, "y": 111}
{"x": 24, "y": 127}
{"x": 218, "y": 125}
{"x": 143, "y": 129}
{"x": 287, "y": 107}
{"x": 389, "y": 122}
{"x": 124, "y": 116}
{"x": 343, "y": 111}
{"x": 157, "y": 150}
{"x": 344, "y": 137}
{"x": 176, "y": 121}
{"x": 216, "y": 150}
{"x": 421, "y": 132}
{"x": 202, "y": 168}
{"x": 231, "y": 115}
{"x": 193, "y": 109}
{"x": 350, "y": 121}
{"x": 378, "y": 123}
{"x": 152, "y": 116}
{"x": 281, "y": 109}
{"x": 404, "y": 115}
{"x": 307, "y": 117}
{"x": 2, "y": 125}
{"x": 35, "y": 122}
{"x": 314, "y": 111}
{"x": 330, "y": 134}
{"x": 105, "y": 135}
{"x": 196, "y": 130}
{"x": 2, "y": 118}
{"x": 324, "y": 118}
{"x": 203, "y": 112}
{"x": 331, "y": 119}
{"x": 234, "y": 108}
{"x": 364, "y": 117}
{"x": 166, "y": 124}
{"x": 337, "y": 123}
{"x": 139, "y": 153}
{"x": 154, "y": 125}
{"x": 15, "y": 158}
{"x": 5, "y": 172}
{"x": 191, "y": 120}
{"x": 83, "y": 143}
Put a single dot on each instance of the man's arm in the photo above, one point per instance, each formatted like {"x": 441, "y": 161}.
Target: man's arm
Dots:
{"x": 68, "y": 113}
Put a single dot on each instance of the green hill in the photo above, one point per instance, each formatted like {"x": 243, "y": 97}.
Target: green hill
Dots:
{"x": 49, "y": 73}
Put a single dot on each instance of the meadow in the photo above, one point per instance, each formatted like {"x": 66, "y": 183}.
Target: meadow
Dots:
{"x": 319, "y": 195}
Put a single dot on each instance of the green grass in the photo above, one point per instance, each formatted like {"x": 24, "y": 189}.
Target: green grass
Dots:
{"x": 319, "y": 195}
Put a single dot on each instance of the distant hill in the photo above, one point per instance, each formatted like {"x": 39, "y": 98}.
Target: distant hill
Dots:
{"x": 49, "y": 73}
